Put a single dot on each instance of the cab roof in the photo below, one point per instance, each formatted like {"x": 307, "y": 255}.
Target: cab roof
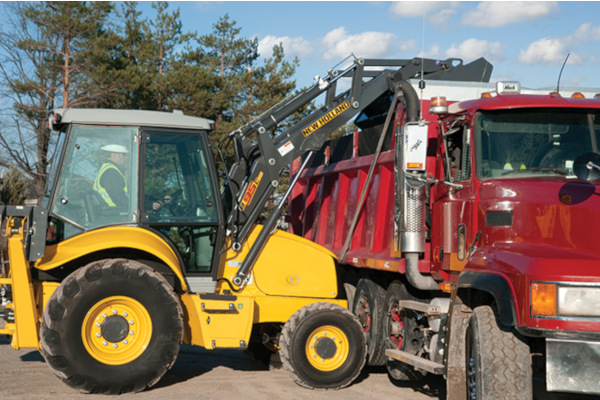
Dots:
{"x": 512, "y": 101}
{"x": 105, "y": 116}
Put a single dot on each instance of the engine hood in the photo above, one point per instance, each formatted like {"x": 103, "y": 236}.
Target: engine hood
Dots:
{"x": 557, "y": 213}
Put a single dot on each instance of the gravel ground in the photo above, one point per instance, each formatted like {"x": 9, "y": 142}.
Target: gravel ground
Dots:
{"x": 200, "y": 373}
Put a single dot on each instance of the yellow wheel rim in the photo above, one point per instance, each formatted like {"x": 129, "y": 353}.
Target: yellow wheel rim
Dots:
{"x": 327, "y": 348}
{"x": 116, "y": 330}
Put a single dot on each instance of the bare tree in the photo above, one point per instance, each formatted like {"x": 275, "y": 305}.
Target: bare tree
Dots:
{"x": 50, "y": 53}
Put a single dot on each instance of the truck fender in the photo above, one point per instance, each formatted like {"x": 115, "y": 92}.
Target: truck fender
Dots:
{"x": 497, "y": 287}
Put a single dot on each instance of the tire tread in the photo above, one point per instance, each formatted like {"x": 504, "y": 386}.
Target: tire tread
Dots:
{"x": 286, "y": 340}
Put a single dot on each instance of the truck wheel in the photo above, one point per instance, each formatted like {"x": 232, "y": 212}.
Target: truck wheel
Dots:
{"x": 498, "y": 360}
{"x": 113, "y": 326}
{"x": 323, "y": 347}
{"x": 402, "y": 332}
{"x": 368, "y": 307}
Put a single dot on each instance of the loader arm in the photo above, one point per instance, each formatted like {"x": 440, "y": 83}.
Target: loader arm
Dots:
{"x": 260, "y": 157}
{"x": 26, "y": 237}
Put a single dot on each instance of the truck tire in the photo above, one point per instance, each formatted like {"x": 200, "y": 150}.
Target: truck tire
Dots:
{"x": 322, "y": 346}
{"x": 113, "y": 326}
{"x": 498, "y": 360}
{"x": 368, "y": 307}
{"x": 400, "y": 332}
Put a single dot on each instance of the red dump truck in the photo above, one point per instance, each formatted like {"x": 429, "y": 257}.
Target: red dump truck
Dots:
{"x": 462, "y": 217}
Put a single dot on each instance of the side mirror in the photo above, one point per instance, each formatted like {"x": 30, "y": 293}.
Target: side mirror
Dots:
{"x": 587, "y": 167}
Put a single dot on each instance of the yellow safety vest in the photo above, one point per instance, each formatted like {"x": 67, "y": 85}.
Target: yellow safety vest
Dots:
{"x": 101, "y": 190}
{"x": 508, "y": 166}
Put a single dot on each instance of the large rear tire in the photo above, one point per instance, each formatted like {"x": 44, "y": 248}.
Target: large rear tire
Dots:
{"x": 323, "y": 347}
{"x": 368, "y": 307}
{"x": 498, "y": 360}
{"x": 113, "y": 326}
{"x": 401, "y": 332}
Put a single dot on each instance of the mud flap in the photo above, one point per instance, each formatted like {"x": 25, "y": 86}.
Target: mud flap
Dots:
{"x": 456, "y": 372}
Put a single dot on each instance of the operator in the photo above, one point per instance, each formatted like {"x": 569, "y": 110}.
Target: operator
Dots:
{"x": 111, "y": 182}
{"x": 514, "y": 158}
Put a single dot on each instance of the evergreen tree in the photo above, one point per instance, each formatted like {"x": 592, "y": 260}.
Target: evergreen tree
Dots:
{"x": 130, "y": 71}
{"x": 245, "y": 87}
{"x": 150, "y": 54}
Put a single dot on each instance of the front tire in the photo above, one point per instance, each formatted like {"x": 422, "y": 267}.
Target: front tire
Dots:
{"x": 113, "y": 326}
{"x": 323, "y": 347}
{"x": 498, "y": 360}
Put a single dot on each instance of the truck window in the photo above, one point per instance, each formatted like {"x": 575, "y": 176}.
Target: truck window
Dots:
{"x": 532, "y": 142}
{"x": 84, "y": 197}
{"x": 459, "y": 153}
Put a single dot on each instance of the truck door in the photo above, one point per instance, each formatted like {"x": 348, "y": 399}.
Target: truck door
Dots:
{"x": 178, "y": 187}
{"x": 452, "y": 208}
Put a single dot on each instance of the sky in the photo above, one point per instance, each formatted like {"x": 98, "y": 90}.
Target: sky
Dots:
{"x": 526, "y": 41}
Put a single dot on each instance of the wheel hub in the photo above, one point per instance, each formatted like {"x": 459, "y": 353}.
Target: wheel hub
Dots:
{"x": 364, "y": 314}
{"x": 325, "y": 348}
{"x": 114, "y": 329}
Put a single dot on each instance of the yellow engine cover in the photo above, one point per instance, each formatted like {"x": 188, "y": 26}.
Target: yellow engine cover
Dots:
{"x": 287, "y": 266}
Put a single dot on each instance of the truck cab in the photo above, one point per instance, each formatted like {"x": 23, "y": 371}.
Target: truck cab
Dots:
{"x": 518, "y": 228}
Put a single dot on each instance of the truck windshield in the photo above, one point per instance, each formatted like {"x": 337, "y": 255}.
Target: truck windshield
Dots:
{"x": 517, "y": 143}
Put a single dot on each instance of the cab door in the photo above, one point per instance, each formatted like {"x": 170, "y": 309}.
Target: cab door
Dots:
{"x": 179, "y": 187}
{"x": 452, "y": 208}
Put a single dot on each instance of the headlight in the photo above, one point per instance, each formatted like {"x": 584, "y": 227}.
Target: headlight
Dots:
{"x": 578, "y": 301}
{"x": 564, "y": 300}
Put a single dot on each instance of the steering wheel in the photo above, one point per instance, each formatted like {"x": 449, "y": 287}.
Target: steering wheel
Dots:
{"x": 169, "y": 207}
{"x": 174, "y": 204}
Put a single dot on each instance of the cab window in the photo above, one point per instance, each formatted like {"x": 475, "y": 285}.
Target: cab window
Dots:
{"x": 97, "y": 184}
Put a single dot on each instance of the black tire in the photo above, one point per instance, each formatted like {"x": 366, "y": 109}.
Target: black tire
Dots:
{"x": 498, "y": 359}
{"x": 113, "y": 326}
{"x": 323, "y": 347}
{"x": 402, "y": 332}
{"x": 368, "y": 307}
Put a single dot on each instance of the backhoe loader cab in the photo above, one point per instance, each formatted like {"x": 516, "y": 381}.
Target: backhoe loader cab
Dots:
{"x": 127, "y": 257}
{"x": 165, "y": 181}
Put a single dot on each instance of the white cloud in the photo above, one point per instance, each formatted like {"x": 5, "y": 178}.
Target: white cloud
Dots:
{"x": 554, "y": 50}
{"x": 584, "y": 33}
{"x": 548, "y": 51}
{"x": 433, "y": 52}
{"x": 339, "y": 44}
{"x": 296, "y": 46}
{"x": 493, "y": 14}
{"x": 435, "y": 12}
{"x": 472, "y": 49}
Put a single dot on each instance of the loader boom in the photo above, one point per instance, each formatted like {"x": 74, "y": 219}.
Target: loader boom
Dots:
{"x": 260, "y": 157}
